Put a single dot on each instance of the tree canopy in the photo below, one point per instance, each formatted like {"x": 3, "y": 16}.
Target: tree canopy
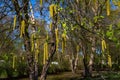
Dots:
{"x": 76, "y": 33}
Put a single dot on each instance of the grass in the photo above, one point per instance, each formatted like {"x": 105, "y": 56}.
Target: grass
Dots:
{"x": 102, "y": 75}
{"x": 64, "y": 76}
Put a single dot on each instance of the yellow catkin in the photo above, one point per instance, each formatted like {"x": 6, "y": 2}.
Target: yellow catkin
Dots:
{"x": 50, "y": 25}
{"x": 41, "y": 2}
{"x": 23, "y": 25}
{"x": 77, "y": 1}
{"x": 103, "y": 45}
{"x": 95, "y": 4}
{"x": 63, "y": 42}
{"x": 64, "y": 38}
{"x": 118, "y": 3}
{"x": 22, "y": 29}
{"x": 32, "y": 42}
{"x": 13, "y": 64}
{"x": 46, "y": 51}
{"x": 14, "y": 22}
{"x": 52, "y": 9}
{"x": 47, "y": 37}
{"x": 108, "y": 7}
{"x": 36, "y": 51}
{"x": 37, "y": 47}
{"x": 55, "y": 9}
{"x": 23, "y": 58}
{"x": 57, "y": 39}
{"x": 44, "y": 58}
{"x": 20, "y": 32}
{"x": 77, "y": 48}
{"x": 63, "y": 46}
{"x": 109, "y": 60}
{"x": 36, "y": 55}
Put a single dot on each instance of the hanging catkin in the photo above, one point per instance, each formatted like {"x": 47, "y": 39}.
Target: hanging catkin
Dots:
{"x": 63, "y": 46}
{"x": 63, "y": 42}
{"x": 57, "y": 39}
{"x": 46, "y": 50}
{"x": 44, "y": 55}
{"x": 47, "y": 46}
{"x": 103, "y": 49}
{"x": 23, "y": 58}
{"x": 14, "y": 22}
{"x": 13, "y": 64}
{"x": 109, "y": 60}
{"x": 95, "y": 4}
{"x": 77, "y": 1}
{"x": 64, "y": 38}
{"x": 50, "y": 25}
{"x": 94, "y": 1}
{"x": 108, "y": 7}
{"x": 41, "y": 2}
{"x": 77, "y": 48}
{"x": 103, "y": 45}
{"x": 22, "y": 28}
{"x": 32, "y": 42}
{"x": 37, "y": 48}
{"x": 36, "y": 56}
{"x": 52, "y": 9}
{"x": 36, "y": 51}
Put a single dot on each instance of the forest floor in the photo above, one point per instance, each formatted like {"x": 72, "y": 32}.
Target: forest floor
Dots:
{"x": 102, "y": 75}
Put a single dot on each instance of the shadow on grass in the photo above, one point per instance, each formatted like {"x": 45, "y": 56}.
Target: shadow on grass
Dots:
{"x": 70, "y": 76}
{"x": 101, "y": 76}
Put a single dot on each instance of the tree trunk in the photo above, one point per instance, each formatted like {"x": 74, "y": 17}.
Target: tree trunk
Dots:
{"x": 92, "y": 56}
{"x": 29, "y": 59}
{"x": 91, "y": 63}
{"x": 72, "y": 61}
{"x": 36, "y": 71}
{"x": 86, "y": 69}
{"x": 76, "y": 63}
{"x": 32, "y": 67}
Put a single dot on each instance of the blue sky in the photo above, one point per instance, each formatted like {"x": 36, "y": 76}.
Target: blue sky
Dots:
{"x": 37, "y": 14}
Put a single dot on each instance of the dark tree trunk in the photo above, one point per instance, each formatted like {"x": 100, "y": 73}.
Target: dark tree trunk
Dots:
{"x": 86, "y": 69}
{"x": 85, "y": 61}
{"x": 92, "y": 56}
{"x": 36, "y": 71}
